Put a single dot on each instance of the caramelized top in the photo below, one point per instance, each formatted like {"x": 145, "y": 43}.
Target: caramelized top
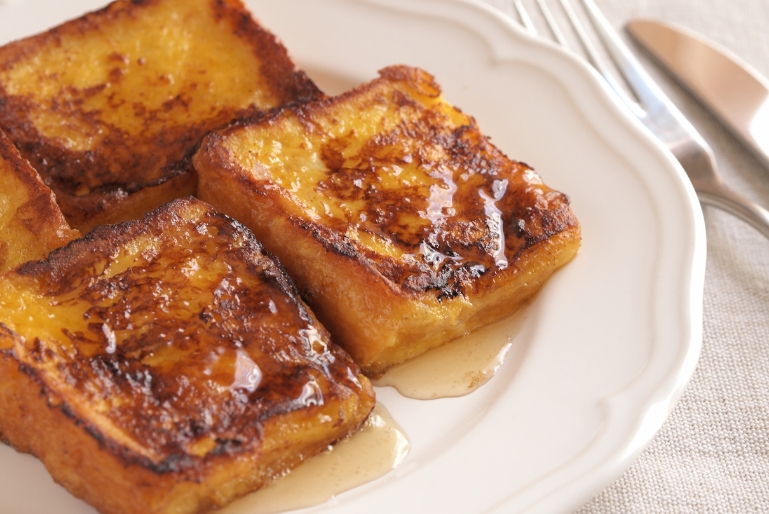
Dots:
{"x": 176, "y": 333}
{"x": 392, "y": 171}
{"x": 31, "y": 224}
{"x": 120, "y": 97}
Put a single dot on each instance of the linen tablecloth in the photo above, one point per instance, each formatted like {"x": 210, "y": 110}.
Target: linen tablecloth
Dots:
{"x": 712, "y": 454}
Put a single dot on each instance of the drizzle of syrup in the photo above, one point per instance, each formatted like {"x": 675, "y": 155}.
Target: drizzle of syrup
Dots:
{"x": 370, "y": 453}
{"x": 459, "y": 367}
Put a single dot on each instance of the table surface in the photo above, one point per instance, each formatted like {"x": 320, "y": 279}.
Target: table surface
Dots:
{"x": 712, "y": 454}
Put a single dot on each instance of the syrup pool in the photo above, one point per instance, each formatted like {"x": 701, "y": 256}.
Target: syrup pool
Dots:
{"x": 461, "y": 366}
{"x": 370, "y": 453}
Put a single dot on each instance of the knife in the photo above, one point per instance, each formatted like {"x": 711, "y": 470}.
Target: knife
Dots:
{"x": 737, "y": 94}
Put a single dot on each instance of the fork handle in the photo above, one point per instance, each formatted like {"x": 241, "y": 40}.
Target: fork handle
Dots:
{"x": 718, "y": 195}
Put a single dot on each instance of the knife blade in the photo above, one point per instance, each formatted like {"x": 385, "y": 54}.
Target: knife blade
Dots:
{"x": 737, "y": 94}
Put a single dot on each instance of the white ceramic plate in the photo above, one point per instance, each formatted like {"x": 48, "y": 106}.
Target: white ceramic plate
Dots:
{"x": 609, "y": 344}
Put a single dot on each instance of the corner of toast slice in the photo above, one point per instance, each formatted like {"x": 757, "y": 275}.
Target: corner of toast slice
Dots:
{"x": 31, "y": 223}
{"x": 403, "y": 226}
{"x": 167, "y": 365}
{"x": 110, "y": 107}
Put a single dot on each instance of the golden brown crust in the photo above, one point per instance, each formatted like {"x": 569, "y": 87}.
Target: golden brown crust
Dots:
{"x": 152, "y": 78}
{"x": 403, "y": 226}
{"x": 172, "y": 362}
{"x": 31, "y": 224}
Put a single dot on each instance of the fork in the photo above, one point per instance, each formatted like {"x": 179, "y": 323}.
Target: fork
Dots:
{"x": 652, "y": 107}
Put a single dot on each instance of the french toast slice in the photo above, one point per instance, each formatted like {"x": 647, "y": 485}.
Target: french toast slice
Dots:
{"x": 31, "y": 223}
{"x": 167, "y": 365}
{"x": 403, "y": 226}
{"x": 110, "y": 107}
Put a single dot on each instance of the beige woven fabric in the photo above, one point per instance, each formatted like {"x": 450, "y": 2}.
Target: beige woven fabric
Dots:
{"x": 712, "y": 455}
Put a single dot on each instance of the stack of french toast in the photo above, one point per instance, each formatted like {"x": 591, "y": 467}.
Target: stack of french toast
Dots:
{"x": 204, "y": 258}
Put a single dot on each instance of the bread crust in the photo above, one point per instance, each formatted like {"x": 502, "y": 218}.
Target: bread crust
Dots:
{"x": 400, "y": 222}
{"x": 110, "y": 107}
{"x": 168, "y": 365}
{"x": 31, "y": 223}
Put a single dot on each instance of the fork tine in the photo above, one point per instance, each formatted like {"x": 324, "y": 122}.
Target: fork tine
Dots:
{"x": 524, "y": 17}
{"x": 594, "y": 57}
{"x": 551, "y": 23}
{"x": 636, "y": 77}
{"x": 584, "y": 39}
